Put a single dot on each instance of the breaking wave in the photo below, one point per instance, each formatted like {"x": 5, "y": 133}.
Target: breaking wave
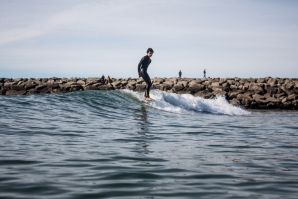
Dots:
{"x": 172, "y": 102}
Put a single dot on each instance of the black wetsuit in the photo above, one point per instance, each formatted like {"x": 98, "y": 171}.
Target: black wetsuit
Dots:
{"x": 142, "y": 69}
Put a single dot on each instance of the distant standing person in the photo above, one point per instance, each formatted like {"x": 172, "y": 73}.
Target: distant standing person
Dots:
{"x": 204, "y": 73}
{"x": 180, "y": 73}
{"x": 142, "y": 70}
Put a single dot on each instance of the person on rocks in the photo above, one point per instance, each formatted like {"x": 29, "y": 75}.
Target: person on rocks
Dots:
{"x": 142, "y": 71}
{"x": 180, "y": 73}
{"x": 204, "y": 73}
{"x": 108, "y": 80}
{"x": 102, "y": 79}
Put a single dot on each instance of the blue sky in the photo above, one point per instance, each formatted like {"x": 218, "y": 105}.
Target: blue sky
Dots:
{"x": 75, "y": 38}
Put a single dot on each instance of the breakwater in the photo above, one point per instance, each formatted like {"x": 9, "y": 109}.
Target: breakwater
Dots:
{"x": 254, "y": 93}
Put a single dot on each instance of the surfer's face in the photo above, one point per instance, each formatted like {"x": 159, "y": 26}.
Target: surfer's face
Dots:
{"x": 150, "y": 54}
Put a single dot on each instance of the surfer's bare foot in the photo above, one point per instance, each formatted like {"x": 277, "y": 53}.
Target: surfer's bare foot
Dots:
{"x": 148, "y": 98}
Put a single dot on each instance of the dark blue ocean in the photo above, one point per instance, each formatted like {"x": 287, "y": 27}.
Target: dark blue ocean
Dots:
{"x": 112, "y": 144}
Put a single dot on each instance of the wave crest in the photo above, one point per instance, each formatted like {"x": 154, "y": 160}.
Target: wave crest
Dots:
{"x": 173, "y": 102}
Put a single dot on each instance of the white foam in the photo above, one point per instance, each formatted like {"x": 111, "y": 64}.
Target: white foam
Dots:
{"x": 184, "y": 103}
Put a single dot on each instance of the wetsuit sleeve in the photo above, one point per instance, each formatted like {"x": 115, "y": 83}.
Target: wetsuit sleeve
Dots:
{"x": 140, "y": 64}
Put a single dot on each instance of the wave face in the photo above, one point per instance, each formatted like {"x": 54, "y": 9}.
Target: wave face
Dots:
{"x": 113, "y": 144}
{"x": 172, "y": 102}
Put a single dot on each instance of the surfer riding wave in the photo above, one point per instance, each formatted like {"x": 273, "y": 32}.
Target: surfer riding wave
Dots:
{"x": 142, "y": 70}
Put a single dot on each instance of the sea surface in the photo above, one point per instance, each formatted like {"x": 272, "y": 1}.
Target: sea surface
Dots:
{"x": 113, "y": 144}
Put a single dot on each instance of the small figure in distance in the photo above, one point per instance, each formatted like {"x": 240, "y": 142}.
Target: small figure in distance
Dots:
{"x": 108, "y": 80}
{"x": 204, "y": 73}
{"x": 142, "y": 72}
{"x": 180, "y": 73}
{"x": 102, "y": 79}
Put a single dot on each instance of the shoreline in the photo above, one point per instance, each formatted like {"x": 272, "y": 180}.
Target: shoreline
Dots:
{"x": 252, "y": 93}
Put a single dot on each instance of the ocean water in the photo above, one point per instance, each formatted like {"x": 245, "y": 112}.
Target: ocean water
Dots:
{"x": 113, "y": 144}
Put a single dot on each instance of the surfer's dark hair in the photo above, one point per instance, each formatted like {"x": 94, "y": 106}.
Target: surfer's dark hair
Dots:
{"x": 150, "y": 50}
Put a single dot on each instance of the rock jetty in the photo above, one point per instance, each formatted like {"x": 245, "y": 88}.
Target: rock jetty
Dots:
{"x": 253, "y": 93}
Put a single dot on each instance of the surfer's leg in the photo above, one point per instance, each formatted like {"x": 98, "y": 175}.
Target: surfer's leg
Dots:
{"x": 148, "y": 86}
{"x": 147, "y": 79}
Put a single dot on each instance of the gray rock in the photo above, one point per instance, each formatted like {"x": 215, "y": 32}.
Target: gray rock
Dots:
{"x": 106, "y": 87}
{"x": 231, "y": 82}
{"x": 184, "y": 92}
{"x": 258, "y": 88}
{"x": 91, "y": 87}
{"x": 140, "y": 88}
{"x": 116, "y": 84}
{"x": 10, "y": 83}
{"x": 16, "y": 92}
{"x": 220, "y": 93}
{"x": 233, "y": 87}
{"x": 204, "y": 94}
{"x": 167, "y": 86}
{"x": 215, "y": 84}
{"x": 81, "y": 82}
{"x": 234, "y": 94}
{"x": 140, "y": 81}
{"x": 39, "y": 87}
{"x": 272, "y": 81}
{"x": 196, "y": 88}
{"x": 245, "y": 99}
{"x": 234, "y": 102}
{"x": 292, "y": 97}
{"x": 92, "y": 80}
{"x": 178, "y": 87}
{"x": 222, "y": 81}
{"x": 17, "y": 79}
{"x": 261, "y": 80}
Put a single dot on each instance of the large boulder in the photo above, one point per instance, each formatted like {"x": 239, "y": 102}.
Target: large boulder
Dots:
{"x": 289, "y": 84}
{"x": 81, "y": 82}
{"x": 220, "y": 93}
{"x": 272, "y": 81}
{"x": 31, "y": 91}
{"x": 215, "y": 84}
{"x": 16, "y": 92}
{"x": 92, "y": 81}
{"x": 91, "y": 87}
{"x": 106, "y": 87}
{"x": 196, "y": 88}
{"x": 140, "y": 87}
{"x": 178, "y": 87}
{"x": 184, "y": 92}
{"x": 222, "y": 81}
{"x": 233, "y": 94}
{"x": 117, "y": 84}
{"x": 167, "y": 85}
{"x": 131, "y": 85}
{"x": 261, "y": 80}
{"x": 140, "y": 81}
{"x": 245, "y": 99}
{"x": 76, "y": 87}
{"x": 258, "y": 88}
{"x": 235, "y": 102}
{"x": 53, "y": 86}
{"x": 204, "y": 94}
{"x": 158, "y": 80}
{"x": 292, "y": 97}
{"x": 39, "y": 87}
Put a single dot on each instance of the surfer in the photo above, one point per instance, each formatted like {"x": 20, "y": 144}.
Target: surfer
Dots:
{"x": 142, "y": 70}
